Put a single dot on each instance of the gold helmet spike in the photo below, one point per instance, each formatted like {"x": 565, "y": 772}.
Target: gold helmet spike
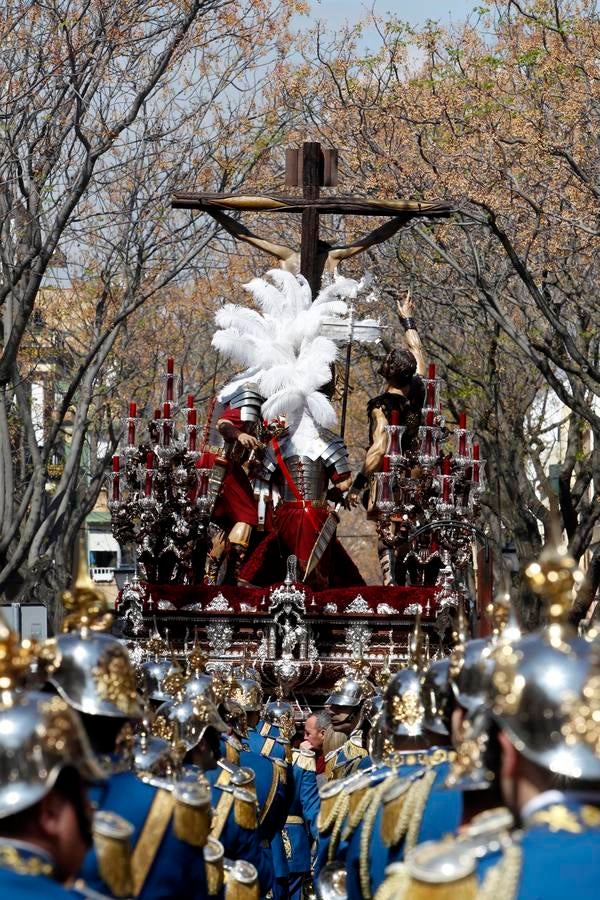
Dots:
{"x": 15, "y": 660}
{"x": 85, "y": 604}
{"x": 555, "y": 577}
{"x": 416, "y": 648}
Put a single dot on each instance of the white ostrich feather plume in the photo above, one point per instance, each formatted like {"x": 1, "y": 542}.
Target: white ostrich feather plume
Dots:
{"x": 281, "y": 347}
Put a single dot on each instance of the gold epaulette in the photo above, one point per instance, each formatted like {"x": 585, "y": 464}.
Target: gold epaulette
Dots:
{"x": 396, "y": 811}
{"x": 213, "y": 862}
{"x": 232, "y": 751}
{"x": 352, "y": 749}
{"x": 330, "y": 794}
{"x": 192, "y": 813}
{"x": 245, "y": 809}
{"x": 437, "y": 870}
{"x": 241, "y": 881}
{"x": 281, "y": 768}
{"x": 364, "y": 852}
{"x": 304, "y": 759}
{"x": 112, "y": 843}
{"x": 265, "y": 729}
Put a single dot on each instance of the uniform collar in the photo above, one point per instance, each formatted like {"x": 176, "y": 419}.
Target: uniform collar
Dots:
{"x": 553, "y": 798}
{"x": 25, "y": 858}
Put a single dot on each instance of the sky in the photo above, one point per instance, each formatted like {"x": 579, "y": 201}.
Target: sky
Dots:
{"x": 337, "y": 12}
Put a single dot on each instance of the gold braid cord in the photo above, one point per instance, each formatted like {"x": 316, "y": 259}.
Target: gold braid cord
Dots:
{"x": 365, "y": 837}
{"x": 421, "y": 791}
{"x": 394, "y": 886}
{"x": 502, "y": 882}
{"x": 341, "y": 811}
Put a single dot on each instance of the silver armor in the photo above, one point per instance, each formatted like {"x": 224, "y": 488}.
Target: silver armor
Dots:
{"x": 310, "y": 471}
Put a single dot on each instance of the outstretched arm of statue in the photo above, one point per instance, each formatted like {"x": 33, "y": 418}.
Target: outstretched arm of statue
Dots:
{"x": 411, "y": 335}
{"x": 377, "y": 236}
{"x": 241, "y": 233}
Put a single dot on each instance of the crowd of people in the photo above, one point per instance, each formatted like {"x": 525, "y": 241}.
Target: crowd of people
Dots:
{"x": 472, "y": 775}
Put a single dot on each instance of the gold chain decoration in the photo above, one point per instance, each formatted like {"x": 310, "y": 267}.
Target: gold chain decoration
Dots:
{"x": 365, "y": 837}
{"x": 421, "y": 791}
{"x": 11, "y": 858}
{"x": 340, "y": 813}
{"x": 502, "y": 881}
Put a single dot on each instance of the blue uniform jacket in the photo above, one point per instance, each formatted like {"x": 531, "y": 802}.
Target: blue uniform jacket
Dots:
{"x": 175, "y": 868}
{"x": 559, "y": 851}
{"x": 23, "y": 880}
{"x": 441, "y": 815}
{"x": 292, "y": 847}
{"x": 271, "y": 789}
{"x": 265, "y": 745}
{"x": 238, "y": 842}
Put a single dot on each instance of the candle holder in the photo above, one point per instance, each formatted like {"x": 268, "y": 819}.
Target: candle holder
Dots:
{"x": 130, "y": 424}
{"x": 394, "y": 448}
{"x": 385, "y": 501}
{"x": 203, "y": 500}
{"x": 433, "y": 388}
{"x": 115, "y": 502}
{"x": 429, "y": 436}
{"x": 463, "y": 439}
{"x": 445, "y": 504}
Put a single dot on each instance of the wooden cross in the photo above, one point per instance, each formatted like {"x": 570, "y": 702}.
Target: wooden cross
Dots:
{"x": 311, "y": 168}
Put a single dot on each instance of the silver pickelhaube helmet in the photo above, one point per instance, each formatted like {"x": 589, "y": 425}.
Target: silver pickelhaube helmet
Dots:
{"x": 471, "y": 667}
{"x": 353, "y": 688}
{"x": 92, "y": 670}
{"x": 542, "y": 682}
{"x": 187, "y": 720}
{"x": 155, "y": 669}
{"x": 403, "y": 704}
{"x": 279, "y": 715}
{"x": 39, "y": 735}
{"x": 199, "y": 682}
{"x": 436, "y": 696}
{"x": 247, "y": 692}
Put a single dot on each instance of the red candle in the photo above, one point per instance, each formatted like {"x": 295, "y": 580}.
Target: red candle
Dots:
{"x": 191, "y": 417}
{"x": 149, "y": 470}
{"x": 170, "y": 379}
{"x": 157, "y": 413}
{"x": 446, "y": 465}
{"x": 395, "y": 417}
{"x": 428, "y": 432}
{"x": 116, "y": 463}
{"x": 131, "y": 424}
{"x": 190, "y": 401}
{"x": 386, "y": 464}
{"x": 475, "y": 475}
{"x": 462, "y": 437}
{"x": 431, "y": 370}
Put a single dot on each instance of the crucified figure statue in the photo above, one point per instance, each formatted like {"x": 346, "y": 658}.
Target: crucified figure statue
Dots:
{"x": 329, "y": 256}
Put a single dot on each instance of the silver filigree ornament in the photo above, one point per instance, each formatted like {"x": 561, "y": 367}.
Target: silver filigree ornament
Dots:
{"x": 219, "y": 603}
{"x": 220, "y": 638}
{"x": 359, "y": 605}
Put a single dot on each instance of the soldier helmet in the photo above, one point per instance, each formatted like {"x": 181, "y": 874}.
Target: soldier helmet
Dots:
{"x": 547, "y": 685}
{"x": 436, "y": 695}
{"x": 403, "y": 705}
{"x": 247, "y": 692}
{"x": 187, "y": 721}
{"x": 349, "y": 691}
{"x": 92, "y": 670}
{"x": 280, "y": 713}
{"x": 39, "y": 737}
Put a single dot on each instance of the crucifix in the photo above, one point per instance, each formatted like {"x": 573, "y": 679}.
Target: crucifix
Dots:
{"x": 310, "y": 168}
